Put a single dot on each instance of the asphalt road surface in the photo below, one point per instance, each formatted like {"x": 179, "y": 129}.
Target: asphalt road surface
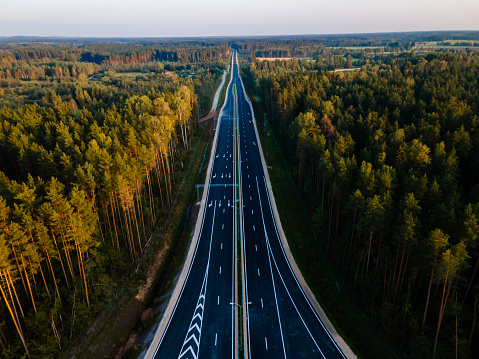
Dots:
{"x": 281, "y": 322}
{"x": 203, "y": 317}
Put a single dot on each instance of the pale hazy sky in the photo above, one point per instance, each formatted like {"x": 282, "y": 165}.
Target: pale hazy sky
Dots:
{"x": 159, "y": 18}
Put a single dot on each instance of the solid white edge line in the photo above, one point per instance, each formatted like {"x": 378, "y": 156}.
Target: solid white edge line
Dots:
{"x": 300, "y": 287}
{"x": 205, "y": 284}
{"x": 203, "y": 204}
{"x": 234, "y": 344}
{"x": 271, "y": 269}
{"x": 184, "y": 283}
{"x": 207, "y": 274}
{"x": 352, "y": 355}
{"x": 292, "y": 301}
{"x": 245, "y": 286}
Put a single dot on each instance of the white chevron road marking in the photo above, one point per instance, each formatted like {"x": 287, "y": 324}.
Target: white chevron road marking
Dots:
{"x": 191, "y": 345}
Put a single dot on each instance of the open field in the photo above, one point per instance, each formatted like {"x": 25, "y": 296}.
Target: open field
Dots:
{"x": 282, "y": 58}
{"x": 355, "y": 47}
{"x": 129, "y": 74}
{"x": 448, "y": 44}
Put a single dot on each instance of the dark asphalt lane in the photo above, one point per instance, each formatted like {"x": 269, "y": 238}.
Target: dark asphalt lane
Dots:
{"x": 202, "y": 324}
{"x": 281, "y": 321}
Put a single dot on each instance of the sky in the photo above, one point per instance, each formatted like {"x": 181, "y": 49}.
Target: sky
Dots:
{"x": 191, "y": 18}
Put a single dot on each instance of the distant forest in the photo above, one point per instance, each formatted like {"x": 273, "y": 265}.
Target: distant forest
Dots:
{"x": 385, "y": 158}
{"x": 94, "y": 142}
{"x": 359, "y": 46}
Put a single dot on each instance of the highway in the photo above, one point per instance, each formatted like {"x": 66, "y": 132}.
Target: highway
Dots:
{"x": 202, "y": 323}
{"x": 280, "y": 320}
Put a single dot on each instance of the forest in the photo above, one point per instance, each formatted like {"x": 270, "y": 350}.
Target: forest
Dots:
{"x": 348, "y": 51}
{"x": 91, "y": 156}
{"x": 385, "y": 159}
{"x": 105, "y": 71}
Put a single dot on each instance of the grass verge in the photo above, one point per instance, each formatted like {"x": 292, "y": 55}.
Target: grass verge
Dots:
{"x": 239, "y": 234}
{"x": 181, "y": 230}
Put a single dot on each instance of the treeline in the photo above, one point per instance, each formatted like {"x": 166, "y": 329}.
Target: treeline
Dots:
{"x": 59, "y": 61}
{"x": 462, "y": 43}
{"x": 319, "y": 46}
{"x": 327, "y": 63}
{"x": 32, "y": 80}
{"x": 303, "y": 44}
{"x": 385, "y": 158}
{"x": 110, "y": 88}
{"x": 118, "y": 52}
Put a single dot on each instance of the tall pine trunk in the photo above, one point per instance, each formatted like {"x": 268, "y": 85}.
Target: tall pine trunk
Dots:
{"x": 14, "y": 317}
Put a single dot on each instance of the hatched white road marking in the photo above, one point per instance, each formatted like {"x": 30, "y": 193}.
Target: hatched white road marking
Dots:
{"x": 191, "y": 345}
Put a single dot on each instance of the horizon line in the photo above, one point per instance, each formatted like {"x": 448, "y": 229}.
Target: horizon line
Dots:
{"x": 236, "y": 36}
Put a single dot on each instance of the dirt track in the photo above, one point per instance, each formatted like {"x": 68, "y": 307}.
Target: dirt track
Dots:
{"x": 212, "y": 115}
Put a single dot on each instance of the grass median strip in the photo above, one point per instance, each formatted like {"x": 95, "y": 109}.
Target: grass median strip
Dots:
{"x": 239, "y": 242}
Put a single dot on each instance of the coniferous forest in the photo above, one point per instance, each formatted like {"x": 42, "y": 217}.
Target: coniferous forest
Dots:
{"x": 385, "y": 158}
{"x": 95, "y": 137}
{"x": 93, "y": 142}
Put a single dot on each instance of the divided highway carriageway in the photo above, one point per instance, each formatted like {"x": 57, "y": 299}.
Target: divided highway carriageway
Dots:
{"x": 237, "y": 295}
